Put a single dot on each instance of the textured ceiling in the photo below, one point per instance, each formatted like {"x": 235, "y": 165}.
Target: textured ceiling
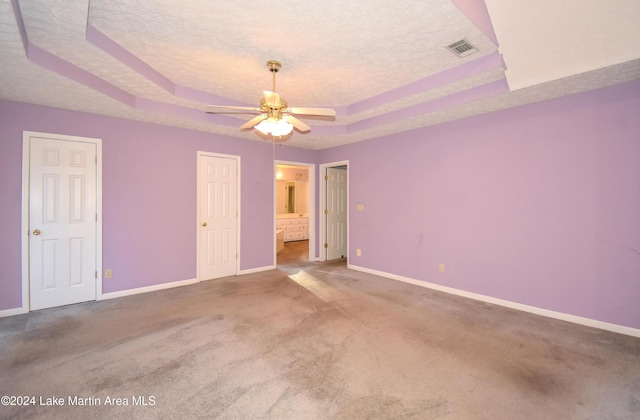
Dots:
{"x": 382, "y": 65}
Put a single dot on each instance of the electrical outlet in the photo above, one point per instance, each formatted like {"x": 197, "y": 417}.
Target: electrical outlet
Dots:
{"x": 358, "y": 252}
{"x": 108, "y": 273}
{"x": 441, "y": 268}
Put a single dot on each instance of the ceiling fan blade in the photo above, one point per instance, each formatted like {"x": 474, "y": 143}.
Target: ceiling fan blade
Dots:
{"x": 271, "y": 98}
{"x": 329, "y": 112}
{"x": 222, "y": 109}
{"x": 253, "y": 121}
{"x": 296, "y": 122}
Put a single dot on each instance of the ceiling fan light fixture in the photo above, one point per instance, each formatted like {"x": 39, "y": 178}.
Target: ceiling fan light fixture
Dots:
{"x": 273, "y": 127}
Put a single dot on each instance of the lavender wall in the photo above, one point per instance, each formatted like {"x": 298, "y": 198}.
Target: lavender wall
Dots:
{"x": 149, "y": 195}
{"x": 538, "y": 205}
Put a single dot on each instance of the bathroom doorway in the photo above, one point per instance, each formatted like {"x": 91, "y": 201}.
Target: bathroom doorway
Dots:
{"x": 295, "y": 221}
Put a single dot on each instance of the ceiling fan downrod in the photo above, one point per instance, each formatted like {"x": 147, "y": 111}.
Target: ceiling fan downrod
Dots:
{"x": 273, "y": 66}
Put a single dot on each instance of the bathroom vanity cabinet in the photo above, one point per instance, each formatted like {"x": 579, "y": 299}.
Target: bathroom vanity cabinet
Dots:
{"x": 295, "y": 228}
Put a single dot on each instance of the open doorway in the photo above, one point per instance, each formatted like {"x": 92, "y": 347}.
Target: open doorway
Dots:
{"x": 294, "y": 197}
{"x": 334, "y": 196}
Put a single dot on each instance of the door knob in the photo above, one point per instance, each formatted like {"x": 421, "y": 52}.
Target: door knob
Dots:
{"x": 36, "y": 232}
{"x": 204, "y": 224}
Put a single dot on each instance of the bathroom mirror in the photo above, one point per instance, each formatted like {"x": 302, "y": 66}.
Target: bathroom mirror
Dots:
{"x": 291, "y": 190}
{"x": 291, "y": 197}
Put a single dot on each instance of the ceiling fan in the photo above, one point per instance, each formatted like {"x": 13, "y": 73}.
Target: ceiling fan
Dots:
{"x": 274, "y": 118}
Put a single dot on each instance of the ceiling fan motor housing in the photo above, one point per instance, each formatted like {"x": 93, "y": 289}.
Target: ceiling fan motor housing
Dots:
{"x": 274, "y": 110}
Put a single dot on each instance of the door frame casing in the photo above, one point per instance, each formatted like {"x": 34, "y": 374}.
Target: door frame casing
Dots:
{"x": 26, "y": 171}
{"x": 238, "y": 208}
{"x": 311, "y": 207}
{"x": 323, "y": 206}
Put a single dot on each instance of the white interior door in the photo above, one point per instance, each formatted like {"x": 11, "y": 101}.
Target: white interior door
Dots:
{"x": 62, "y": 222}
{"x": 217, "y": 203}
{"x": 336, "y": 213}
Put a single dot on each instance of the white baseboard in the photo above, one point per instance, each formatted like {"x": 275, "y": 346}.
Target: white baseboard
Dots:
{"x": 257, "y": 270}
{"x": 147, "y": 289}
{"x": 12, "y": 312}
{"x": 620, "y": 329}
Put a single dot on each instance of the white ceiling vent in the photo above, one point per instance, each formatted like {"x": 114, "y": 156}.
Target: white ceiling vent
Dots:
{"x": 462, "y": 48}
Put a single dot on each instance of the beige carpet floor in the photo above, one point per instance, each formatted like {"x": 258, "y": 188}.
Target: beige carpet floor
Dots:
{"x": 311, "y": 341}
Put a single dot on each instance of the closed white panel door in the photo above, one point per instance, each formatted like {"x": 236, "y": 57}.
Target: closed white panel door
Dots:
{"x": 336, "y": 213}
{"x": 62, "y": 222}
{"x": 217, "y": 189}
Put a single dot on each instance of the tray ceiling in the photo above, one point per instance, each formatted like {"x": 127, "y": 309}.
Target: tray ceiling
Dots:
{"x": 383, "y": 66}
